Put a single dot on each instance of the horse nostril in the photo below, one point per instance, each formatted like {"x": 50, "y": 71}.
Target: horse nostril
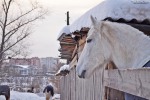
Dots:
{"x": 79, "y": 76}
{"x": 82, "y": 74}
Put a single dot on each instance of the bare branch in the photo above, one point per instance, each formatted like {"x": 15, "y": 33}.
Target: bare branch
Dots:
{"x": 12, "y": 32}
{"x": 4, "y": 8}
{"x": 14, "y": 43}
{"x": 14, "y": 53}
{"x": 1, "y": 22}
{"x": 1, "y": 26}
{"x": 29, "y": 21}
{"x": 10, "y": 35}
{"x": 5, "y": 4}
{"x": 9, "y": 4}
{"x": 21, "y": 16}
{"x": 17, "y": 26}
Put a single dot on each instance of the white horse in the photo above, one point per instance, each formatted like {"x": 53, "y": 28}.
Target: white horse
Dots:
{"x": 121, "y": 44}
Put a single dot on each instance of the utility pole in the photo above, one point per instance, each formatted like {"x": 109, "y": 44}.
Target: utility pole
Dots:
{"x": 68, "y": 17}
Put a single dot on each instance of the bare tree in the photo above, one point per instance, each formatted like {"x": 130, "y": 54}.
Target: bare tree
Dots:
{"x": 16, "y": 24}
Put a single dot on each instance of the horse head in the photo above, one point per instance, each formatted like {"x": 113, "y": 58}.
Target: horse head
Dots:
{"x": 93, "y": 54}
{"x": 122, "y": 44}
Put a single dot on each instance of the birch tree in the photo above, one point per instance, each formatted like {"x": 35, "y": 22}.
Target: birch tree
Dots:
{"x": 16, "y": 24}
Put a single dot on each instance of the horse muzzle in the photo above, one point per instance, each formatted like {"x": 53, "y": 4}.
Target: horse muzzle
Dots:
{"x": 82, "y": 74}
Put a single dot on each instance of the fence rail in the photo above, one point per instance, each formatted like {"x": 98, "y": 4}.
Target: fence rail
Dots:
{"x": 135, "y": 81}
{"x": 74, "y": 88}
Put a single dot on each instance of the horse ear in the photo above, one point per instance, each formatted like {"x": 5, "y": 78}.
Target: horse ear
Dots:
{"x": 93, "y": 20}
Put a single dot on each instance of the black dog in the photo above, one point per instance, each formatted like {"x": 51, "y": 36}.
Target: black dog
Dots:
{"x": 31, "y": 90}
{"x": 5, "y": 90}
{"x": 49, "y": 91}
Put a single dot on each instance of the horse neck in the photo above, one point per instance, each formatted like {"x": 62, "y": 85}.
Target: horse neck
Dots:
{"x": 129, "y": 49}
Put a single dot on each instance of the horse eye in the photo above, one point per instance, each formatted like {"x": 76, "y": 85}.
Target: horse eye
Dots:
{"x": 89, "y": 40}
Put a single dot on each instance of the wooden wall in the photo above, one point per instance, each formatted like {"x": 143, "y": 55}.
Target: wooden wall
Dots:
{"x": 74, "y": 88}
{"x": 133, "y": 81}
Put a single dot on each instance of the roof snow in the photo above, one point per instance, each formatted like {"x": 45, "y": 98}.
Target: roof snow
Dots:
{"x": 14, "y": 95}
{"x": 127, "y": 9}
{"x": 63, "y": 68}
{"x": 23, "y": 66}
{"x": 64, "y": 31}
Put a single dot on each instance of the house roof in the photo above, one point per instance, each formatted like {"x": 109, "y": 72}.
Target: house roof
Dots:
{"x": 65, "y": 30}
{"x": 125, "y": 11}
{"x": 116, "y": 9}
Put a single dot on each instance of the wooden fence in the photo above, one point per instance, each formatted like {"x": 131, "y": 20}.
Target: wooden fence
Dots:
{"x": 74, "y": 88}
{"x": 134, "y": 81}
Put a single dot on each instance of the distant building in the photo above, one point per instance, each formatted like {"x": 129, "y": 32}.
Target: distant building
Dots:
{"x": 27, "y": 72}
{"x": 34, "y": 61}
{"x": 21, "y": 70}
{"x": 49, "y": 63}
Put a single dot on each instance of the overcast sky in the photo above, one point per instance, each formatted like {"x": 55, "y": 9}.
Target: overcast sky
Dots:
{"x": 44, "y": 39}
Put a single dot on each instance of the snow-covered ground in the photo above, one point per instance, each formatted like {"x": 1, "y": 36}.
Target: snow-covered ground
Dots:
{"x": 26, "y": 96}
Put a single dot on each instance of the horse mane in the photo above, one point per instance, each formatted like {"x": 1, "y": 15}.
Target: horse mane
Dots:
{"x": 130, "y": 47}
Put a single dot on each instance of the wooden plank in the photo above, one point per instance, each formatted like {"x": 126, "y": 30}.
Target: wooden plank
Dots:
{"x": 66, "y": 50}
{"x": 61, "y": 37}
{"x": 65, "y": 56}
{"x": 68, "y": 40}
{"x": 67, "y": 43}
{"x": 66, "y": 53}
{"x": 133, "y": 81}
{"x": 68, "y": 46}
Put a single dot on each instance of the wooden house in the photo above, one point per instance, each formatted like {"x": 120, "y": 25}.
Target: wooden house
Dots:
{"x": 72, "y": 43}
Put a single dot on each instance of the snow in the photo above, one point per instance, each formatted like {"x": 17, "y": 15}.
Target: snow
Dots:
{"x": 14, "y": 95}
{"x": 65, "y": 30}
{"x": 56, "y": 96}
{"x": 22, "y": 96}
{"x": 127, "y": 9}
{"x": 23, "y": 66}
{"x": 62, "y": 68}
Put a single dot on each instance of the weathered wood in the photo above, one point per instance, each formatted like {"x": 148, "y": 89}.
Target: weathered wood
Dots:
{"x": 81, "y": 89}
{"x": 133, "y": 81}
{"x": 65, "y": 50}
{"x": 71, "y": 48}
{"x": 68, "y": 40}
{"x": 65, "y": 57}
{"x": 66, "y": 53}
{"x": 67, "y": 43}
{"x": 61, "y": 37}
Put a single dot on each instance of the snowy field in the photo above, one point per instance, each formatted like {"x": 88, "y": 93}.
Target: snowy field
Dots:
{"x": 26, "y": 96}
